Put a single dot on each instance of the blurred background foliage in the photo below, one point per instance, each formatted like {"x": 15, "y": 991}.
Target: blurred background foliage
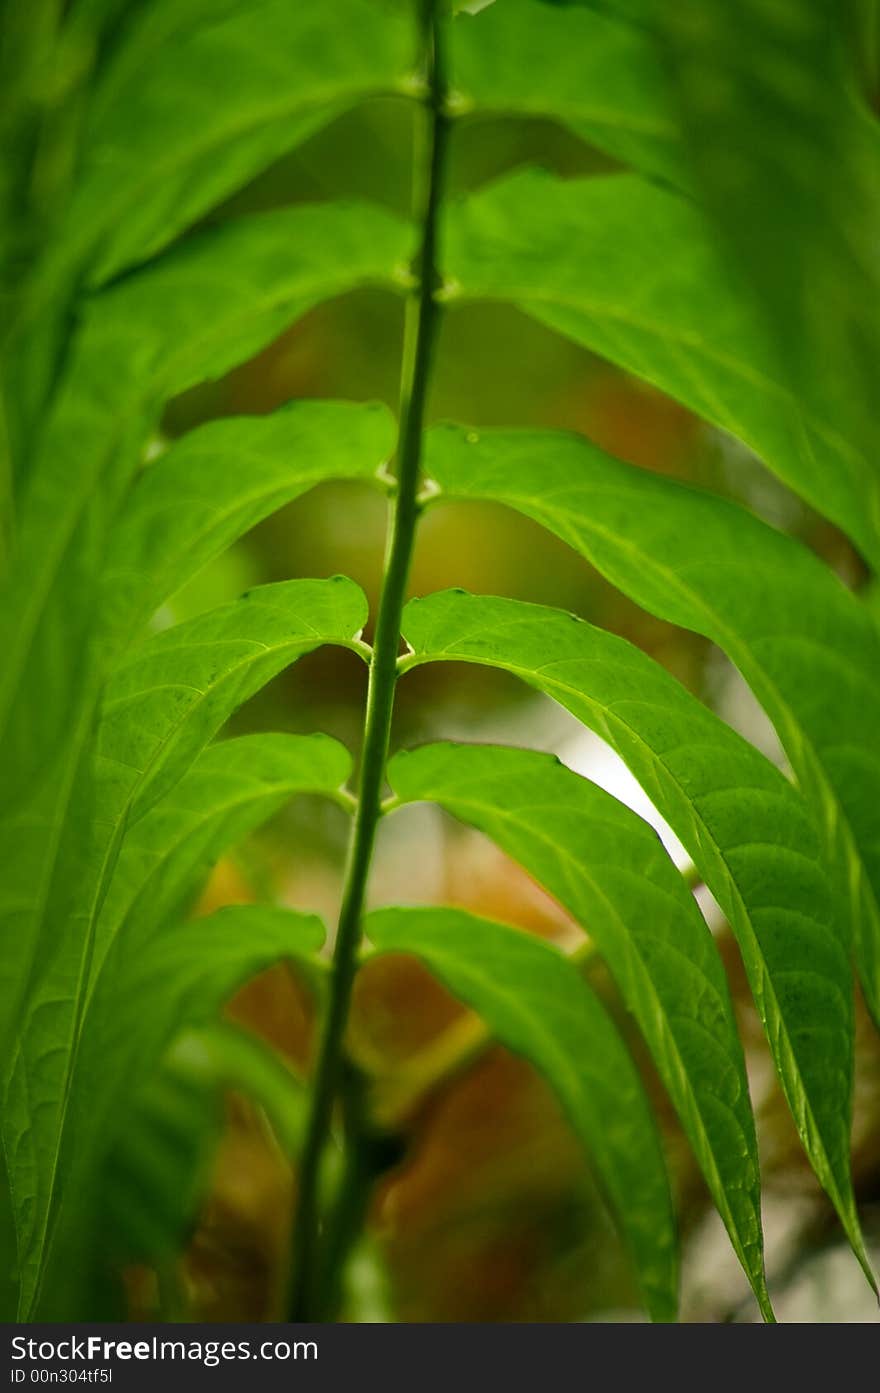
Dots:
{"x": 485, "y": 1213}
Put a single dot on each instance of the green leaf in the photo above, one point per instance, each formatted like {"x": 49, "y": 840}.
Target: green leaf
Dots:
{"x": 181, "y": 976}
{"x": 766, "y": 97}
{"x": 807, "y": 647}
{"x": 166, "y": 534}
{"x": 627, "y": 270}
{"x": 747, "y": 830}
{"x": 157, "y": 1169}
{"x": 172, "y": 694}
{"x": 538, "y": 1005}
{"x": 8, "y": 1270}
{"x": 44, "y": 69}
{"x": 233, "y": 787}
{"x": 171, "y": 134}
{"x": 601, "y": 77}
{"x": 222, "y": 1055}
{"x": 230, "y": 789}
{"x": 608, "y": 868}
{"x": 195, "y": 313}
{"x": 219, "y": 481}
{"x": 129, "y": 32}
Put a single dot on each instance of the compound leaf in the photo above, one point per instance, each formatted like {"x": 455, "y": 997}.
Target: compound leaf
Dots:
{"x": 603, "y": 78}
{"x": 628, "y": 270}
{"x": 172, "y": 694}
{"x": 608, "y": 868}
{"x": 231, "y": 788}
{"x": 171, "y": 134}
{"x": 746, "y": 828}
{"x": 539, "y": 1005}
{"x": 196, "y": 312}
{"x": 808, "y": 648}
{"x": 215, "y": 483}
{"x": 771, "y": 118}
{"x": 180, "y": 977}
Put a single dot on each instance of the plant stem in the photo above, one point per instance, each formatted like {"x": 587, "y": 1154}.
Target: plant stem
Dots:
{"x": 419, "y": 332}
{"x": 369, "y": 1153}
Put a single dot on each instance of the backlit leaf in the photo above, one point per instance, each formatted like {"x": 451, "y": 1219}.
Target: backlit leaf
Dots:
{"x": 629, "y": 271}
{"x": 538, "y": 1005}
{"x": 601, "y": 77}
{"x": 218, "y": 481}
{"x": 230, "y": 789}
{"x": 807, "y": 648}
{"x": 181, "y": 976}
{"x": 608, "y": 868}
{"x": 177, "y": 126}
{"x": 745, "y": 827}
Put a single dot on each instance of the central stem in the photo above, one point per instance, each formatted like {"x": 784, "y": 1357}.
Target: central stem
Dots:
{"x": 419, "y": 331}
